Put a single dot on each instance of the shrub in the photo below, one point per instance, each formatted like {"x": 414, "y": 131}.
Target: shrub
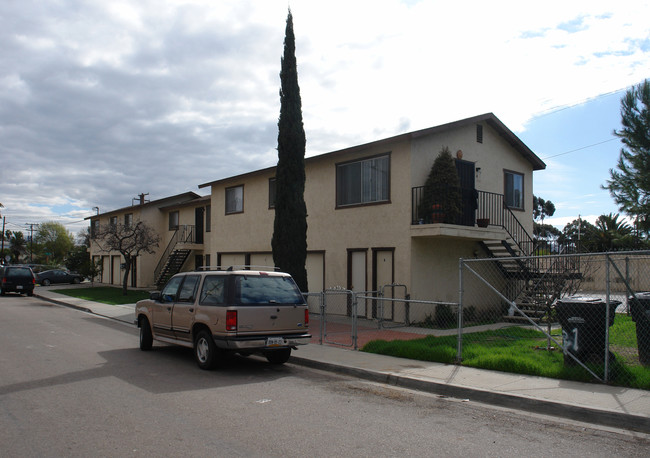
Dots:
{"x": 444, "y": 316}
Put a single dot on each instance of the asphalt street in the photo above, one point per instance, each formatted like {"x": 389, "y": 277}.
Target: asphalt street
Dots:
{"x": 76, "y": 384}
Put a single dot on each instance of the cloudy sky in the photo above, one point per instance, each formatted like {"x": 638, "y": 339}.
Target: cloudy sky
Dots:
{"x": 103, "y": 100}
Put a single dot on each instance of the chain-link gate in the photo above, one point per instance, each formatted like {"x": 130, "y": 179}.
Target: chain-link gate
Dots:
{"x": 568, "y": 314}
{"x": 389, "y": 313}
{"x": 336, "y": 318}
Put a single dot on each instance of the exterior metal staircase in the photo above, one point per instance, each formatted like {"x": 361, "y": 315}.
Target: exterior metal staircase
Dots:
{"x": 174, "y": 256}
{"x": 174, "y": 264}
{"x": 534, "y": 281}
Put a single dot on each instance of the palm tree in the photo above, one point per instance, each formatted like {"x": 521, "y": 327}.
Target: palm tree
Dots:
{"x": 17, "y": 243}
{"x": 610, "y": 234}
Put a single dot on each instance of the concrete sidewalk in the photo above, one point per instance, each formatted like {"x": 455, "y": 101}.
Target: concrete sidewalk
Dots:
{"x": 605, "y": 405}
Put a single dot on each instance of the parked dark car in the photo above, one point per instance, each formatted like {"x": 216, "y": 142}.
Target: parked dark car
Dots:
{"x": 17, "y": 279}
{"x": 50, "y": 277}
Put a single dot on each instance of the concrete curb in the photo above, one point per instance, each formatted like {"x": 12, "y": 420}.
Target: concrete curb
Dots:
{"x": 544, "y": 407}
{"x": 64, "y": 304}
{"x": 82, "y": 309}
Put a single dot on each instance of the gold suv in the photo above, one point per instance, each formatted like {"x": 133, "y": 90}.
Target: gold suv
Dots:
{"x": 222, "y": 311}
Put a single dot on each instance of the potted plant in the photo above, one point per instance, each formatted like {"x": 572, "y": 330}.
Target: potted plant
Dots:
{"x": 441, "y": 197}
{"x": 482, "y": 222}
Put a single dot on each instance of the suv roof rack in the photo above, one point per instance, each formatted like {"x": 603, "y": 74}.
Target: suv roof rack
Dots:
{"x": 239, "y": 267}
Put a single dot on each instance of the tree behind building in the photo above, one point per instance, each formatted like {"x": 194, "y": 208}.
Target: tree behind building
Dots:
{"x": 129, "y": 240}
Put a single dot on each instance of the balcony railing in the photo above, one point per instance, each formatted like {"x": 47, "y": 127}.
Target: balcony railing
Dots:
{"x": 476, "y": 207}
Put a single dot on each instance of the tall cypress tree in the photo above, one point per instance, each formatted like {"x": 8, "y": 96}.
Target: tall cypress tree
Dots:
{"x": 289, "y": 241}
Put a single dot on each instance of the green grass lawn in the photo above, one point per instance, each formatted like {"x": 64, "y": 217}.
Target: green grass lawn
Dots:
{"x": 523, "y": 351}
{"x": 105, "y": 294}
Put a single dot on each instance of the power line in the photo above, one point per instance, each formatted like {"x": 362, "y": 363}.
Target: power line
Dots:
{"x": 579, "y": 149}
{"x": 583, "y": 101}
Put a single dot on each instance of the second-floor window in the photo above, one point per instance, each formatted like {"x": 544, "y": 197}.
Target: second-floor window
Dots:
{"x": 363, "y": 182}
{"x": 94, "y": 228}
{"x": 235, "y": 199}
{"x": 128, "y": 220}
{"x": 173, "y": 221}
{"x": 113, "y": 221}
{"x": 514, "y": 189}
{"x": 208, "y": 218}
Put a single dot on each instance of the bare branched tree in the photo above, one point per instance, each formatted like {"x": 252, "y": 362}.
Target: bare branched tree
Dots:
{"x": 130, "y": 240}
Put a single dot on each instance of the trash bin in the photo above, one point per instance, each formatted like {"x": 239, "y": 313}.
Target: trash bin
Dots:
{"x": 583, "y": 327}
{"x": 639, "y": 306}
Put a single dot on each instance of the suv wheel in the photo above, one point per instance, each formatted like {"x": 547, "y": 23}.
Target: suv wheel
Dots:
{"x": 278, "y": 356}
{"x": 146, "y": 339}
{"x": 205, "y": 350}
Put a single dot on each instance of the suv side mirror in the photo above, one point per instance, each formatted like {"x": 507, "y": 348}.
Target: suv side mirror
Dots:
{"x": 155, "y": 296}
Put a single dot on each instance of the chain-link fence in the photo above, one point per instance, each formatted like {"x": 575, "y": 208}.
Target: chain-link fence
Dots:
{"x": 352, "y": 319}
{"x": 579, "y": 316}
{"x": 333, "y": 313}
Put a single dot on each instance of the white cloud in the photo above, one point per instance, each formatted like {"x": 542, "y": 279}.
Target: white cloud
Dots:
{"x": 108, "y": 100}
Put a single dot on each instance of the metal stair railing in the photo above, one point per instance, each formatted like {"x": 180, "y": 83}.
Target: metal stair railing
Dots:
{"x": 165, "y": 256}
{"x": 492, "y": 205}
{"x": 554, "y": 278}
{"x": 183, "y": 234}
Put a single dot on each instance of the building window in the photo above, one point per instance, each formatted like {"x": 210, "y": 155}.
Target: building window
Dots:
{"x": 208, "y": 218}
{"x": 363, "y": 182}
{"x": 514, "y": 190}
{"x": 112, "y": 221}
{"x": 479, "y": 133}
{"x": 272, "y": 191}
{"x": 94, "y": 228}
{"x": 128, "y": 220}
{"x": 173, "y": 221}
{"x": 235, "y": 199}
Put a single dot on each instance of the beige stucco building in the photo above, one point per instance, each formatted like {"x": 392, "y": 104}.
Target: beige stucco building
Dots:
{"x": 174, "y": 218}
{"x": 364, "y": 226}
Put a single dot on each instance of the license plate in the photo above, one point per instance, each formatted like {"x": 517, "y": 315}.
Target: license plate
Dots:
{"x": 19, "y": 286}
{"x": 274, "y": 341}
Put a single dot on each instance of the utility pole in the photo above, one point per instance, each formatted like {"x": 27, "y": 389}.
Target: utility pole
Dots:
{"x": 2, "y": 250}
{"x": 31, "y": 241}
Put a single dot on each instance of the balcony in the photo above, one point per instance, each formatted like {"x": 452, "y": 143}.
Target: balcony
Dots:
{"x": 483, "y": 216}
{"x": 186, "y": 236}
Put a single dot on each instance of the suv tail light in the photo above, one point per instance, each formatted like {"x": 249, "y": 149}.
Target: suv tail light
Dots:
{"x": 306, "y": 317}
{"x": 231, "y": 320}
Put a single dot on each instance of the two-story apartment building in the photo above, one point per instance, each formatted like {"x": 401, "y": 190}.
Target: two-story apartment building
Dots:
{"x": 364, "y": 226}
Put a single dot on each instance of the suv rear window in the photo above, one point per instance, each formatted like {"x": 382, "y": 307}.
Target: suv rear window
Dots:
{"x": 267, "y": 289}
{"x": 18, "y": 272}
